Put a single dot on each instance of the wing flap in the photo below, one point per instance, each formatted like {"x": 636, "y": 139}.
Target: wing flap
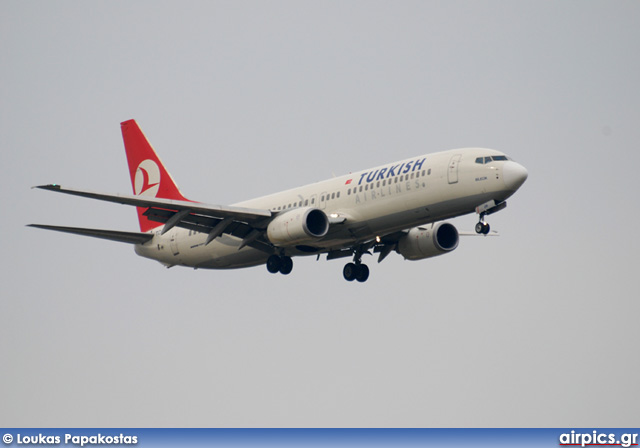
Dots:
{"x": 199, "y": 223}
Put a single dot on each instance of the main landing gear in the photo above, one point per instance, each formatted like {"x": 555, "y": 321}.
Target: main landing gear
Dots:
{"x": 281, "y": 264}
{"x": 356, "y": 270}
{"x": 353, "y": 271}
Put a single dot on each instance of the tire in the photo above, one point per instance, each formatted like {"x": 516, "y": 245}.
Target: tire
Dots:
{"x": 273, "y": 264}
{"x": 349, "y": 272}
{"x": 479, "y": 228}
{"x": 286, "y": 265}
{"x": 486, "y": 228}
{"x": 362, "y": 273}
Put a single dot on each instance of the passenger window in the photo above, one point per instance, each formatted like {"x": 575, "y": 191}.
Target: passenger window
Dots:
{"x": 423, "y": 173}
{"x": 333, "y": 195}
{"x": 313, "y": 200}
{"x": 395, "y": 181}
{"x": 366, "y": 187}
{"x": 338, "y": 194}
{"x": 306, "y": 202}
{"x": 429, "y": 172}
{"x": 321, "y": 198}
{"x": 378, "y": 184}
{"x": 360, "y": 188}
{"x": 411, "y": 175}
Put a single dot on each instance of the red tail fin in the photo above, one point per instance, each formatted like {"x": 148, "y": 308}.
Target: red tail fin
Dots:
{"x": 149, "y": 177}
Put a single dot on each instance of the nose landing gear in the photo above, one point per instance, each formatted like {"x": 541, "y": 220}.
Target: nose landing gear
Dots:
{"x": 487, "y": 208}
{"x": 482, "y": 227}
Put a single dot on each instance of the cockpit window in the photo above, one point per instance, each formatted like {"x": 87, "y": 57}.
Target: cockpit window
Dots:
{"x": 488, "y": 159}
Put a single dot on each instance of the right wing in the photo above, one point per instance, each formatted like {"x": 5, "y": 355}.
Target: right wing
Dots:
{"x": 249, "y": 215}
{"x": 214, "y": 220}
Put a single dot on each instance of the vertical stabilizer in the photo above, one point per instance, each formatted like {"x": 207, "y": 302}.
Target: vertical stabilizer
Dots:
{"x": 149, "y": 177}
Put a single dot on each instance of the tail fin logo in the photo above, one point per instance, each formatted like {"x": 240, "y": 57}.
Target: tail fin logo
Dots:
{"x": 147, "y": 180}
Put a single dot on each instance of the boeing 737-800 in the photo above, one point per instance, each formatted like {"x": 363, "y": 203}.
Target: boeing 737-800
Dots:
{"x": 398, "y": 206}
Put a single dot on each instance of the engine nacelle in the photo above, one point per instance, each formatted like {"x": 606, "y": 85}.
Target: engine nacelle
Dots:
{"x": 298, "y": 226}
{"x": 428, "y": 241}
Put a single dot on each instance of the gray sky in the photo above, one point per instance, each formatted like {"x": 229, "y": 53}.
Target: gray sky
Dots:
{"x": 538, "y": 327}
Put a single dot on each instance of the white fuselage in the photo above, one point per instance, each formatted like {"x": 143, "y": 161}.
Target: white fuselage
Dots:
{"x": 377, "y": 201}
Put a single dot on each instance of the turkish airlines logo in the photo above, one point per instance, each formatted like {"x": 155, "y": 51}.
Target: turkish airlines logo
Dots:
{"x": 147, "y": 180}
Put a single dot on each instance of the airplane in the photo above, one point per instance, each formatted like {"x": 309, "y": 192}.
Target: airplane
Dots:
{"x": 399, "y": 206}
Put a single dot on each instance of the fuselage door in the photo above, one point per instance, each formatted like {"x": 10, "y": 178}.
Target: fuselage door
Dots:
{"x": 452, "y": 173}
{"x": 174, "y": 244}
{"x": 323, "y": 200}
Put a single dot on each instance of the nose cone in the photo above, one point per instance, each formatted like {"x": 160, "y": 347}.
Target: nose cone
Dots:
{"x": 514, "y": 175}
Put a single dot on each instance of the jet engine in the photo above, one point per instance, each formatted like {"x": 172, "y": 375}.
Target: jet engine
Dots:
{"x": 428, "y": 241}
{"x": 298, "y": 226}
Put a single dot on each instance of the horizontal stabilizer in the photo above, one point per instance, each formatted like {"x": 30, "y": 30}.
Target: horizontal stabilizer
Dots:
{"x": 113, "y": 235}
{"x": 472, "y": 233}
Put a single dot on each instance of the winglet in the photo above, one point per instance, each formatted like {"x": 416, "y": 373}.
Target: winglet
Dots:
{"x": 48, "y": 187}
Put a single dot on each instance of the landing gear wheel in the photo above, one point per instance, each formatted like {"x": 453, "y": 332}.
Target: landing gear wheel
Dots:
{"x": 349, "y": 272}
{"x": 362, "y": 273}
{"x": 286, "y": 265}
{"x": 482, "y": 228}
{"x": 273, "y": 264}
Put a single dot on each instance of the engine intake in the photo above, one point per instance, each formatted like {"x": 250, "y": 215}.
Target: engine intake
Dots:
{"x": 298, "y": 226}
{"x": 426, "y": 242}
